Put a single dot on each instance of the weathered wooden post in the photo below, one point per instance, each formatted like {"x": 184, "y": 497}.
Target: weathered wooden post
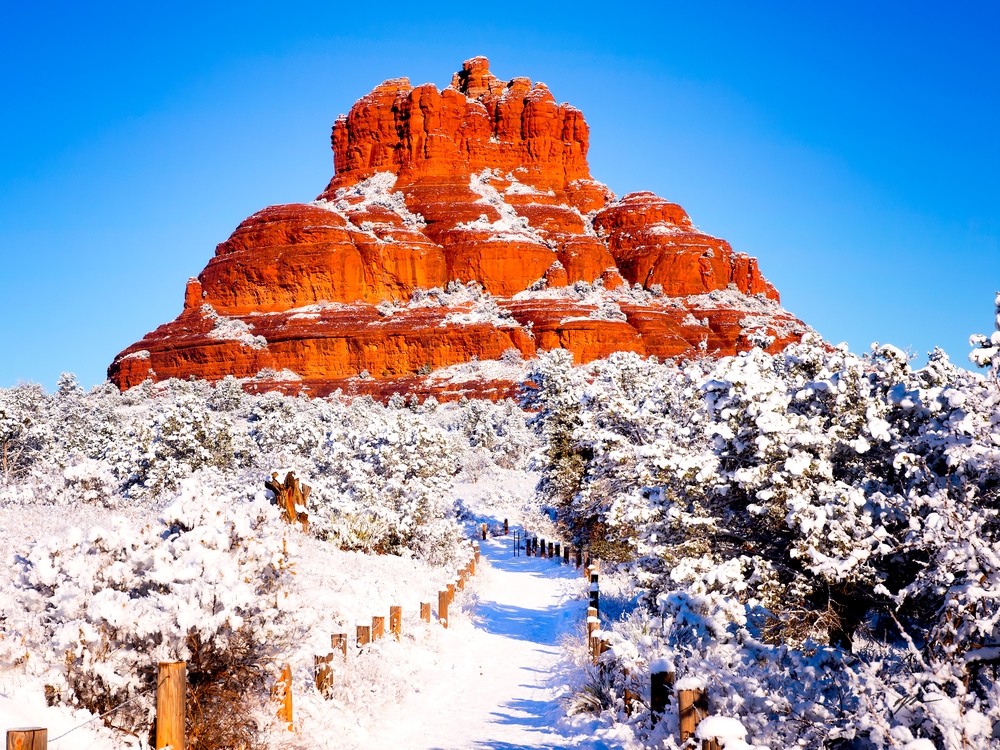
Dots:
{"x": 603, "y": 645}
{"x": 595, "y": 592}
{"x": 461, "y": 580}
{"x": 289, "y": 496}
{"x": 171, "y": 704}
{"x": 484, "y": 532}
{"x": 550, "y": 550}
{"x": 692, "y": 706}
{"x": 451, "y": 592}
{"x": 472, "y": 567}
{"x": 443, "y": 607}
{"x": 558, "y": 556}
{"x": 425, "y": 611}
{"x": 593, "y": 624}
{"x": 364, "y": 636}
{"x": 396, "y": 621}
{"x": 579, "y": 557}
{"x": 338, "y": 642}
{"x": 284, "y": 694}
{"x": 595, "y": 645}
{"x": 566, "y": 555}
{"x": 28, "y": 738}
{"x": 506, "y": 529}
{"x": 661, "y": 685}
{"x": 378, "y": 627}
{"x": 323, "y": 673}
{"x": 477, "y": 553}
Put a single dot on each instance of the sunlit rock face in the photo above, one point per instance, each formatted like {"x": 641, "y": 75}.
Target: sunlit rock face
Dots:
{"x": 459, "y": 225}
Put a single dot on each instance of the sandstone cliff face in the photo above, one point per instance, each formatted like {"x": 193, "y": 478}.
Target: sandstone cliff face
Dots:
{"x": 460, "y": 224}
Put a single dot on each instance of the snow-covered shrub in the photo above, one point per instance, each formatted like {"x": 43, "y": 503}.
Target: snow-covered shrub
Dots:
{"x": 23, "y": 429}
{"x": 203, "y": 585}
{"x": 170, "y": 440}
{"x": 499, "y": 429}
{"x": 380, "y": 482}
{"x": 857, "y": 499}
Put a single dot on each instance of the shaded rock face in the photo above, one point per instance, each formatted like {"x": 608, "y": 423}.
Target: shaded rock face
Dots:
{"x": 460, "y": 224}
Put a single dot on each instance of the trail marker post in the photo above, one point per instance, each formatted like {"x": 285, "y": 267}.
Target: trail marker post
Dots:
{"x": 364, "y": 636}
{"x": 593, "y": 623}
{"x": 28, "y": 738}
{"x": 661, "y": 685}
{"x": 338, "y": 642}
{"x": 323, "y": 673}
{"x": 283, "y": 691}
{"x": 443, "y": 607}
{"x": 692, "y": 707}
{"x": 396, "y": 621}
{"x": 171, "y": 704}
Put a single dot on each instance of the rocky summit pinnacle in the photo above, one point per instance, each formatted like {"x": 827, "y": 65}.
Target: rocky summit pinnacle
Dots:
{"x": 459, "y": 225}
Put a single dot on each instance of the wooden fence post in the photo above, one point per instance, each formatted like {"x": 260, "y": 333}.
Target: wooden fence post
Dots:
{"x": 477, "y": 553}
{"x": 566, "y": 555}
{"x": 378, "y": 627}
{"x": 461, "y": 580}
{"x": 579, "y": 557}
{"x": 484, "y": 532}
{"x": 171, "y": 704}
{"x": 550, "y": 550}
{"x": 506, "y": 529}
{"x": 364, "y": 635}
{"x": 285, "y": 688}
{"x": 443, "y": 607}
{"x": 595, "y": 592}
{"x": 396, "y": 621}
{"x": 558, "y": 552}
{"x": 338, "y": 641}
{"x": 28, "y": 738}
{"x": 593, "y": 623}
{"x": 603, "y": 644}
{"x": 323, "y": 673}
{"x": 692, "y": 707}
{"x": 661, "y": 685}
{"x": 425, "y": 611}
{"x": 472, "y": 567}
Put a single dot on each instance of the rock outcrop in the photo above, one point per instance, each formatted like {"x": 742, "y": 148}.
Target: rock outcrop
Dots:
{"x": 459, "y": 225}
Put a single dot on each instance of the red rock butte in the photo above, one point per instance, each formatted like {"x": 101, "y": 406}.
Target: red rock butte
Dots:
{"x": 459, "y": 225}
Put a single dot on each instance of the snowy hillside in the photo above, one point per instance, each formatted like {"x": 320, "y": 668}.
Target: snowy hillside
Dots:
{"x": 811, "y": 536}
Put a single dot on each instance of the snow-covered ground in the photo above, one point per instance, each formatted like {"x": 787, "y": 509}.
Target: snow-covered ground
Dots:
{"x": 498, "y": 677}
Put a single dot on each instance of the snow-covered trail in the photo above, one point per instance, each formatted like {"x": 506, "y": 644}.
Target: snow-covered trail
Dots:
{"x": 492, "y": 685}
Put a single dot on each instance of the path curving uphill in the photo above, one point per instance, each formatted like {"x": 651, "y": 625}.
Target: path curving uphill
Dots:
{"x": 496, "y": 685}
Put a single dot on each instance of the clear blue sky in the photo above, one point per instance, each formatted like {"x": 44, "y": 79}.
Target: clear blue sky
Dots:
{"x": 853, "y": 148}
